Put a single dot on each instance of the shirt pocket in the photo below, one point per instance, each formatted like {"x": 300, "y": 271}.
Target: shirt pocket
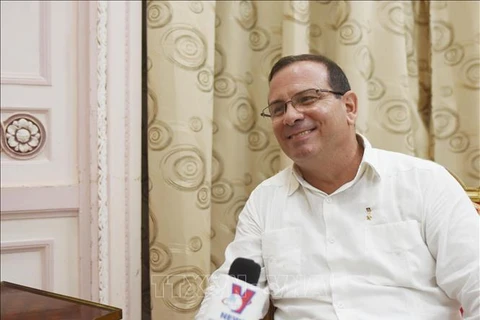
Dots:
{"x": 389, "y": 249}
{"x": 282, "y": 251}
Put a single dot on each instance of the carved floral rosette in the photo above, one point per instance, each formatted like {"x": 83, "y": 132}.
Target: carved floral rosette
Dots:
{"x": 23, "y": 136}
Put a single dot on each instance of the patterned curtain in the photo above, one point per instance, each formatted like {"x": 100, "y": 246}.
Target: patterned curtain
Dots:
{"x": 414, "y": 65}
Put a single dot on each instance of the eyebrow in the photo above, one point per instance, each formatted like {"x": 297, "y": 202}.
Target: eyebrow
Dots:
{"x": 280, "y": 100}
{"x": 275, "y": 101}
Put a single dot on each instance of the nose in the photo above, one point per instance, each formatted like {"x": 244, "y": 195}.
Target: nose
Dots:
{"x": 291, "y": 115}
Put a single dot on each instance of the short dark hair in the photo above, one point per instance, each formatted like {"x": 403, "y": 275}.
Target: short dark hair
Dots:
{"x": 336, "y": 77}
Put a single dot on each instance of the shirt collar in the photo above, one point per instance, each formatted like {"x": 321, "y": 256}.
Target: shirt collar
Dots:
{"x": 369, "y": 160}
{"x": 370, "y": 156}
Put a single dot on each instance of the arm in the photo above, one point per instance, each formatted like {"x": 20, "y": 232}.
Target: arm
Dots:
{"x": 247, "y": 244}
{"x": 452, "y": 234}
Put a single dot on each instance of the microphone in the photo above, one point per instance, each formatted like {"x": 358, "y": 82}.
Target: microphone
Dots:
{"x": 246, "y": 270}
{"x": 237, "y": 297}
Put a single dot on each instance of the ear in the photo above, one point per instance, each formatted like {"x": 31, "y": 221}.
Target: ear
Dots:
{"x": 350, "y": 101}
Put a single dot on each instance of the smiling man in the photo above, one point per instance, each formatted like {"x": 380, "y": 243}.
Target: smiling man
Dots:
{"x": 350, "y": 231}
{"x": 318, "y": 129}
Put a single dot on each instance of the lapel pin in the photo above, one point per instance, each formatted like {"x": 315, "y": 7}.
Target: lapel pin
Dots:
{"x": 369, "y": 213}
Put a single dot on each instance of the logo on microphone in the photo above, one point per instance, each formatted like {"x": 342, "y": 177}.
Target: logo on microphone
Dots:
{"x": 238, "y": 301}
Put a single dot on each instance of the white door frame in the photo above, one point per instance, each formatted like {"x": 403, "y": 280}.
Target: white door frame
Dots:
{"x": 109, "y": 125}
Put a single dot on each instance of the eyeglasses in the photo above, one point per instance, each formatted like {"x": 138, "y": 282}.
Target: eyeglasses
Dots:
{"x": 301, "y": 101}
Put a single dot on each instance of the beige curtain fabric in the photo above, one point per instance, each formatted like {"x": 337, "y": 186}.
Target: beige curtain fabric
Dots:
{"x": 414, "y": 65}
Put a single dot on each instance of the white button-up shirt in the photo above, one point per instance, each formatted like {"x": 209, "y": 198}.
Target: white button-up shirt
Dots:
{"x": 400, "y": 241}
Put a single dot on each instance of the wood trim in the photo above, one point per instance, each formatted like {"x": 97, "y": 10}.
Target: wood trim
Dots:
{"x": 115, "y": 313}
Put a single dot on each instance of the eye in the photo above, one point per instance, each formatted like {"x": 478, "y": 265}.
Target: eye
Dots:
{"x": 277, "y": 109}
{"x": 307, "y": 99}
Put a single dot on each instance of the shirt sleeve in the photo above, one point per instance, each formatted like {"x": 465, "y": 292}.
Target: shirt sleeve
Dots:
{"x": 246, "y": 244}
{"x": 452, "y": 235}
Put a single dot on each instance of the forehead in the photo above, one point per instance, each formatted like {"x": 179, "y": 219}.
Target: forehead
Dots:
{"x": 296, "y": 77}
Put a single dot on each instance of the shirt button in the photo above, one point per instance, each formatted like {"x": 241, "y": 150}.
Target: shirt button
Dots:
{"x": 331, "y": 240}
{"x": 328, "y": 200}
{"x": 340, "y": 305}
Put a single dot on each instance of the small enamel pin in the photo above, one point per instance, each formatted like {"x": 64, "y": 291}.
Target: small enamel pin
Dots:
{"x": 369, "y": 213}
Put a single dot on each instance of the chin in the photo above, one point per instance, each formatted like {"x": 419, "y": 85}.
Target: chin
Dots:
{"x": 301, "y": 154}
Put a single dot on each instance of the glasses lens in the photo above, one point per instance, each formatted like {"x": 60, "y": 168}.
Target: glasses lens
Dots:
{"x": 276, "y": 109}
{"x": 306, "y": 98}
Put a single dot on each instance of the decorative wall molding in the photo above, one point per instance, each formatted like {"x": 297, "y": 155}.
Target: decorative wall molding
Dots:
{"x": 124, "y": 156}
{"x": 102, "y": 196}
{"x": 43, "y": 78}
{"x": 34, "y": 110}
{"x": 63, "y": 203}
{"x": 24, "y": 136}
{"x": 45, "y": 247}
{"x": 62, "y": 199}
{"x": 39, "y": 214}
{"x": 113, "y": 169}
{"x": 2, "y": 135}
{"x": 87, "y": 149}
{"x": 127, "y": 156}
{"x": 41, "y": 115}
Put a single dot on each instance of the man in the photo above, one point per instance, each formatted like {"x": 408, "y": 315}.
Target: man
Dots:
{"x": 350, "y": 231}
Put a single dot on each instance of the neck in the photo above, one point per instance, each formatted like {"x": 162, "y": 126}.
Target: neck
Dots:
{"x": 330, "y": 173}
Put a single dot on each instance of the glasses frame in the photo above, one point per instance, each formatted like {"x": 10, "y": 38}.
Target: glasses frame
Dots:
{"x": 285, "y": 104}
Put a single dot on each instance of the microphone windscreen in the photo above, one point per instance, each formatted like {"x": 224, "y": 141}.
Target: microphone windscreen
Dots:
{"x": 246, "y": 270}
